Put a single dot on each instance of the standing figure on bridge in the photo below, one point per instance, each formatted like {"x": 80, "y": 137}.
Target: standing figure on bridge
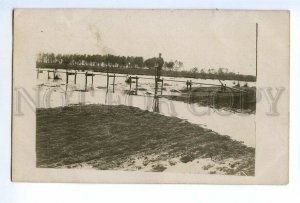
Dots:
{"x": 159, "y": 64}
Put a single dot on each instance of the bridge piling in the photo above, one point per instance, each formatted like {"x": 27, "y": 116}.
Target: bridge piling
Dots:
{"x": 114, "y": 83}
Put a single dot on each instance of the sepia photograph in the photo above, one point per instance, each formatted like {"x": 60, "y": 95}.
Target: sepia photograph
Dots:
{"x": 147, "y": 91}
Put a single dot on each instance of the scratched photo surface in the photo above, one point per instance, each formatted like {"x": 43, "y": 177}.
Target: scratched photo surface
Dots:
{"x": 149, "y": 92}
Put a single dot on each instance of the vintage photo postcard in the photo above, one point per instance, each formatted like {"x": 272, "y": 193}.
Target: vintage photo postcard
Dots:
{"x": 150, "y": 96}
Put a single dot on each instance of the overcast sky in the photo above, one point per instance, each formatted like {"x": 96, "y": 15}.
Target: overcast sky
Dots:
{"x": 198, "y": 39}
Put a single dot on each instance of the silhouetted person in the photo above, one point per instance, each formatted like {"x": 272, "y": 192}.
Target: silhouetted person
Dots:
{"x": 159, "y": 64}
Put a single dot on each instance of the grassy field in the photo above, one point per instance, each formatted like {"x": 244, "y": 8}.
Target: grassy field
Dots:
{"x": 127, "y": 138}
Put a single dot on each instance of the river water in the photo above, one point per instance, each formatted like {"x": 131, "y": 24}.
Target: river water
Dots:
{"x": 55, "y": 93}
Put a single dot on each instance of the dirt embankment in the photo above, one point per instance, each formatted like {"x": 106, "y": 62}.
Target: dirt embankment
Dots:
{"x": 127, "y": 138}
{"x": 239, "y": 99}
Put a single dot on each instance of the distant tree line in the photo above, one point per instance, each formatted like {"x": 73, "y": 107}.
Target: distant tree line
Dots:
{"x": 104, "y": 60}
{"x": 133, "y": 65}
{"x": 221, "y": 73}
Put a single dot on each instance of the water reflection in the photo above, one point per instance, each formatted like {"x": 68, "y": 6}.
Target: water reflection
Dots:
{"x": 156, "y": 104}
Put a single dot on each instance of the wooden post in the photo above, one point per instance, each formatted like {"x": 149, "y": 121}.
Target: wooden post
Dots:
{"x": 37, "y": 75}
{"x": 190, "y": 85}
{"x": 162, "y": 86}
{"x": 156, "y": 86}
{"x": 48, "y": 75}
{"x": 67, "y": 77}
{"x": 54, "y": 75}
{"x": 136, "y": 83}
{"x": 107, "y": 81}
{"x": 130, "y": 82}
{"x": 114, "y": 83}
{"x": 85, "y": 81}
{"x": 75, "y": 78}
{"x": 92, "y": 78}
{"x": 156, "y": 80}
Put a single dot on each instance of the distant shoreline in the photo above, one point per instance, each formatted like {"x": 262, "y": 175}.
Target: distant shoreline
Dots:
{"x": 145, "y": 71}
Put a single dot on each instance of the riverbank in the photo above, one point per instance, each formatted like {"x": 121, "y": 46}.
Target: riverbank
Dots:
{"x": 127, "y": 138}
{"x": 239, "y": 99}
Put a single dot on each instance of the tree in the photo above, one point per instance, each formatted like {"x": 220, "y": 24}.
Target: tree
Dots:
{"x": 177, "y": 65}
{"x": 202, "y": 71}
{"x": 150, "y": 63}
{"x": 169, "y": 65}
{"x": 220, "y": 71}
{"x": 66, "y": 60}
{"x": 138, "y": 61}
{"x": 195, "y": 70}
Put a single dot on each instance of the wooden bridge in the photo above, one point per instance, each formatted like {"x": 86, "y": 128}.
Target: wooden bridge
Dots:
{"x": 130, "y": 79}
